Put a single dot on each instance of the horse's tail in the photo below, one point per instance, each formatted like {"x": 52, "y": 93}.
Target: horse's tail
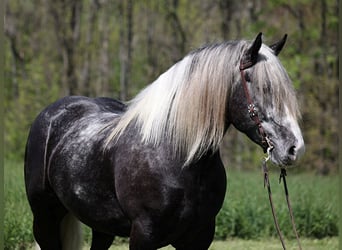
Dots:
{"x": 71, "y": 233}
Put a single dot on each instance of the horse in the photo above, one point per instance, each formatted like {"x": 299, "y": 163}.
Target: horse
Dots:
{"x": 150, "y": 169}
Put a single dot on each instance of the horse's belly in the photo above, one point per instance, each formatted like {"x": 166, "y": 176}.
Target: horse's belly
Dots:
{"x": 88, "y": 191}
{"x": 99, "y": 210}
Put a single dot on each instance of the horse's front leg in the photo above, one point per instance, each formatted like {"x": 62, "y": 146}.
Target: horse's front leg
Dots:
{"x": 143, "y": 235}
{"x": 197, "y": 238}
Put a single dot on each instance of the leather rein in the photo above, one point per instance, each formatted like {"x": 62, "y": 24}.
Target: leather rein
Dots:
{"x": 253, "y": 113}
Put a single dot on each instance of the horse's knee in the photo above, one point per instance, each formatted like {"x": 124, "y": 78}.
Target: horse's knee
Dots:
{"x": 142, "y": 236}
{"x": 199, "y": 238}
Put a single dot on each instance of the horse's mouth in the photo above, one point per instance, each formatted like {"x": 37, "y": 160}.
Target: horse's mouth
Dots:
{"x": 281, "y": 161}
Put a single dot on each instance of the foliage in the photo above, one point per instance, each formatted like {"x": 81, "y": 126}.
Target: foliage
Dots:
{"x": 245, "y": 214}
{"x": 85, "y": 47}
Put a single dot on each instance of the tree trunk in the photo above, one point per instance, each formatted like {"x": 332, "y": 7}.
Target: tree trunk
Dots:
{"x": 104, "y": 65}
{"x": 150, "y": 47}
{"x": 225, "y": 7}
{"x": 84, "y": 82}
{"x": 126, "y": 35}
{"x": 66, "y": 17}
{"x": 178, "y": 33}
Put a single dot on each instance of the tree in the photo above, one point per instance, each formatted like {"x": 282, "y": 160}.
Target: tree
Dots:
{"x": 106, "y": 48}
{"x": 66, "y": 16}
{"x": 126, "y": 36}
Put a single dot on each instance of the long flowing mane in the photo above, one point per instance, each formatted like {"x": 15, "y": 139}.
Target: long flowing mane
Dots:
{"x": 186, "y": 105}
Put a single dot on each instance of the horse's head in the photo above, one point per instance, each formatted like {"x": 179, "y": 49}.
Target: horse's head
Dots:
{"x": 264, "y": 84}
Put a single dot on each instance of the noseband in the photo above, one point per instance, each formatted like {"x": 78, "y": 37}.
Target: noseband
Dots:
{"x": 267, "y": 145}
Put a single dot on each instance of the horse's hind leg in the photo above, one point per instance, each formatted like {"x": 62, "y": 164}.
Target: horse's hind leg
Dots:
{"x": 46, "y": 227}
{"x": 46, "y": 234}
{"x": 101, "y": 241}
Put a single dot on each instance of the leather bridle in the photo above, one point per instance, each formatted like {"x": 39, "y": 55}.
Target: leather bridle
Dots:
{"x": 252, "y": 110}
{"x": 267, "y": 145}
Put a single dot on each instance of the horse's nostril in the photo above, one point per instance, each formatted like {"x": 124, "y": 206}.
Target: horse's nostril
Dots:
{"x": 292, "y": 151}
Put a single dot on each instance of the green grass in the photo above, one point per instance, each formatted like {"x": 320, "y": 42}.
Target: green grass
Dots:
{"x": 18, "y": 217}
{"x": 245, "y": 221}
{"x": 260, "y": 244}
{"x": 246, "y": 212}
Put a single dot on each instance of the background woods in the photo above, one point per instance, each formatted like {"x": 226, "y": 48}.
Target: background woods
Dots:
{"x": 115, "y": 48}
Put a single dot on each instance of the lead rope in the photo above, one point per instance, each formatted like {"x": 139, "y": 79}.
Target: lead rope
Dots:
{"x": 268, "y": 185}
{"x": 283, "y": 176}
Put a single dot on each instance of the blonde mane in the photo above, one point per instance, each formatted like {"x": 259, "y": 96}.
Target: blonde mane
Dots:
{"x": 186, "y": 105}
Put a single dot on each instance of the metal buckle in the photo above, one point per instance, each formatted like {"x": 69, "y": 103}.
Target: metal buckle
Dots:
{"x": 269, "y": 149}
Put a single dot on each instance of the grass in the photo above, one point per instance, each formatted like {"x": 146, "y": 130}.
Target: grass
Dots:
{"x": 245, "y": 221}
{"x": 18, "y": 217}
{"x": 246, "y": 212}
{"x": 260, "y": 244}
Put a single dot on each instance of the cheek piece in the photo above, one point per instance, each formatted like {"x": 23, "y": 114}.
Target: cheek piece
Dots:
{"x": 253, "y": 112}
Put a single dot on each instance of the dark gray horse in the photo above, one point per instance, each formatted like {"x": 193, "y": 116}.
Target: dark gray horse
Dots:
{"x": 151, "y": 170}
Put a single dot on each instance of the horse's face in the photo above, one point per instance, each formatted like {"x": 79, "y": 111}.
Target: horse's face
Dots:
{"x": 275, "y": 103}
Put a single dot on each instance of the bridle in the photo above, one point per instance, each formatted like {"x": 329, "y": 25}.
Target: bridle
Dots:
{"x": 266, "y": 143}
{"x": 252, "y": 110}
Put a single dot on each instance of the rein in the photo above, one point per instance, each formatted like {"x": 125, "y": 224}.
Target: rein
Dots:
{"x": 253, "y": 113}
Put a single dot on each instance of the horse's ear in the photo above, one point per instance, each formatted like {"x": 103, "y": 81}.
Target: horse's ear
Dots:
{"x": 278, "y": 46}
{"x": 251, "y": 55}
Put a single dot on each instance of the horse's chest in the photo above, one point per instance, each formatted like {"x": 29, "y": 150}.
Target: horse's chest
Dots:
{"x": 207, "y": 196}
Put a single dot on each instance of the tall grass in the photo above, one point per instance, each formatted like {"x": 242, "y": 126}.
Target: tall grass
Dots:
{"x": 245, "y": 214}
{"x": 18, "y": 217}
